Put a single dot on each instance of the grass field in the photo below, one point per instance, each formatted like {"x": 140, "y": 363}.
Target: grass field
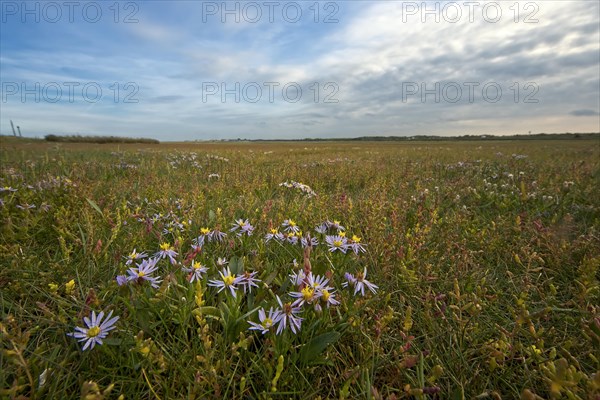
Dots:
{"x": 485, "y": 258}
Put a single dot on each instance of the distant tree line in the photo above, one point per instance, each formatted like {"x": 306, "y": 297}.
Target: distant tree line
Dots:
{"x": 98, "y": 139}
{"x": 537, "y": 136}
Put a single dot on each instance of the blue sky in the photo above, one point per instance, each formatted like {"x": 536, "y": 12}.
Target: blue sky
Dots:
{"x": 192, "y": 70}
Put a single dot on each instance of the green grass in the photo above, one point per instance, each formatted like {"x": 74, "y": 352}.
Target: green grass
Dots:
{"x": 486, "y": 254}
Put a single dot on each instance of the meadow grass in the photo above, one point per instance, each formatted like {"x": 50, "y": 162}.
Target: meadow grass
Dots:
{"x": 486, "y": 256}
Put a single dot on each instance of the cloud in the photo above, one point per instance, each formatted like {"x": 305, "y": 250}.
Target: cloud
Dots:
{"x": 371, "y": 62}
{"x": 584, "y": 113}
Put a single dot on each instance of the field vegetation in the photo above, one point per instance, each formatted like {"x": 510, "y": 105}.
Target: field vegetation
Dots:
{"x": 331, "y": 270}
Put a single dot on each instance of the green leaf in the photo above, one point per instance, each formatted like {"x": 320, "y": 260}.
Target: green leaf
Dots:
{"x": 207, "y": 310}
{"x": 95, "y": 207}
{"x": 236, "y": 265}
{"x": 317, "y": 345}
{"x": 269, "y": 279}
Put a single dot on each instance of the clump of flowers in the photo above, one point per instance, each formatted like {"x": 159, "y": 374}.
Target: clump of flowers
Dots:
{"x": 241, "y": 227}
{"x": 307, "y": 190}
{"x": 310, "y": 292}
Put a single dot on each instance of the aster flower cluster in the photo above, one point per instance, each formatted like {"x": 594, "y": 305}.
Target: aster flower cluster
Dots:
{"x": 307, "y": 190}
{"x": 309, "y": 292}
{"x": 312, "y": 290}
{"x": 334, "y": 234}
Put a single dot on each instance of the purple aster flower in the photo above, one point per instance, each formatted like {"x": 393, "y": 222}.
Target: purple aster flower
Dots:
{"x": 134, "y": 256}
{"x": 360, "y": 282}
{"x": 274, "y": 234}
{"x": 308, "y": 295}
{"x": 221, "y": 262}
{"x": 309, "y": 241}
{"x": 318, "y": 282}
{"x": 286, "y": 316}
{"x": 355, "y": 245}
{"x": 328, "y": 296}
{"x": 337, "y": 242}
{"x": 290, "y": 226}
{"x": 335, "y": 225}
{"x": 228, "y": 280}
{"x": 266, "y": 322}
{"x": 241, "y": 227}
{"x": 217, "y": 236}
{"x": 292, "y": 238}
{"x": 195, "y": 271}
{"x": 144, "y": 272}
{"x": 166, "y": 250}
{"x": 298, "y": 278}
{"x": 322, "y": 228}
{"x": 96, "y": 329}
{"x": 249, "y": 281}
{"x": 350, "y": 280}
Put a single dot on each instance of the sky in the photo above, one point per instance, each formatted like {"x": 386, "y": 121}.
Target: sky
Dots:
{"x": 209, "y": 70}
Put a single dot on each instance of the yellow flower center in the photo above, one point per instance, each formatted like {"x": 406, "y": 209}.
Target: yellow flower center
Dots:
{"x": 337, "y": 243}
{"x": 292, "y": 222}
{"x": 355, "y": 239}
{"x": 267, "y": 323}
{"x": 205, "y": 231}
{"x": 228, "y": 280}
{"x": 242, "y": 223}
{"x": 342, "y": 234}
{"x": 196, "y": 265}
{"x": 133, "y": 255}
{"x": 141, "y": 274}
{"x": 307, "y": 293}
{"x": 325, "y": 295}
{"x": 274, "y": 231}
{"x": 93, "y": 331}
{"x": 165, "y": 246}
